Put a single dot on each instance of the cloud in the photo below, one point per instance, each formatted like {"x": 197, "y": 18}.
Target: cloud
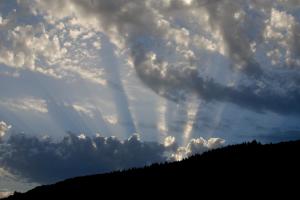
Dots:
{"x": 4, "y": 183}
{"x": 47, "y": 47}
{"x": 3, "y": 128}
{"x": 10, "y": 183}
{"x": 84, "y": 109}
{"x": 197, "y": 146}
{"x": 43, "y": 160}
{"x": 245, "y": 53}
{"x": 29, "y": 104}
{"x": 4, "y": 173}
{"x": 177, "y": 56}
{"x": 111, "y": 119}
{"x": 169, "y": 141}
{"x": 23, "y": 45}
{"x": 5, "y": 194}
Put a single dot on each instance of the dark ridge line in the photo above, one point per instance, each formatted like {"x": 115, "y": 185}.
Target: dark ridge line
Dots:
{"x": 237, "y": 166}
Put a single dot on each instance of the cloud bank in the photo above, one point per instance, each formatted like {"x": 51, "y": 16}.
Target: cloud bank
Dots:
{"x": 42, "y": 160}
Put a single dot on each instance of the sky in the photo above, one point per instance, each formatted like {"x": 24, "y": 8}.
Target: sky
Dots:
{"x": 130, "y": 82}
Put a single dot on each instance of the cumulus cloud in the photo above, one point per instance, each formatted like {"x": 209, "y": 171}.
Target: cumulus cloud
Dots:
{"x": 43, "y": 160}
{"x": 23, "y": 45}
{"x": 3, "y": 128}
{"x": 47, "y": 47}
{"x": 176, "y": 56}
{"x": 197, "y": 146}
{"x": 169, "y": 141}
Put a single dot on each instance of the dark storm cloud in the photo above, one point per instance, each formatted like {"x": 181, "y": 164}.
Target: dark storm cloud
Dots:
{"x": 43, "y": 161}
{"x": 237, "y": 40}
{"x": 252, "y": 97}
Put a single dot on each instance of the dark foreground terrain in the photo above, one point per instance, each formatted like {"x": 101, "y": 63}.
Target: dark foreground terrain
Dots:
{"x": 248, "y": 167}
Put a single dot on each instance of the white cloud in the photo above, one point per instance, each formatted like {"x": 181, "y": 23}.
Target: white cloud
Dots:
{"x": 82, "y": 136}
{"x": 23, "y": 45}
{"x": 94, "y": 75}
{"x": 281, "y": 19}
{"x": 111, "y": 119}
{"x": 197, "y": 146}
{"x": 29, "y": 104}
{"x": 50, "y": 50}
{"x": 84, "y": 109}
{"x": 75, "y": 33}
{"x": 97, "y": 45}
{"x": 3, "y": 129}
{"x": 281, "y": 31}
{"x": 169, "y": 141}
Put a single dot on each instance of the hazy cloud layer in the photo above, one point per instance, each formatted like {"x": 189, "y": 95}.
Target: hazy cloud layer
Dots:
{"x": 42, "y": 160}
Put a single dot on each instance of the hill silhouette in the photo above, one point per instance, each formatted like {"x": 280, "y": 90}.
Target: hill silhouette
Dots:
{"x": 248, "y": 167}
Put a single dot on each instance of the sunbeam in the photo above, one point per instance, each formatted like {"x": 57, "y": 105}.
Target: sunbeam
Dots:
{"x": 162, "y": 124}
{"x": 192, "y": 109}
{"x": 117, "y": 89}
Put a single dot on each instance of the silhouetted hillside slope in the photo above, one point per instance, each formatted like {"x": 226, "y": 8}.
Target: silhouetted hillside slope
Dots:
{"x": 248, "y": 166}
